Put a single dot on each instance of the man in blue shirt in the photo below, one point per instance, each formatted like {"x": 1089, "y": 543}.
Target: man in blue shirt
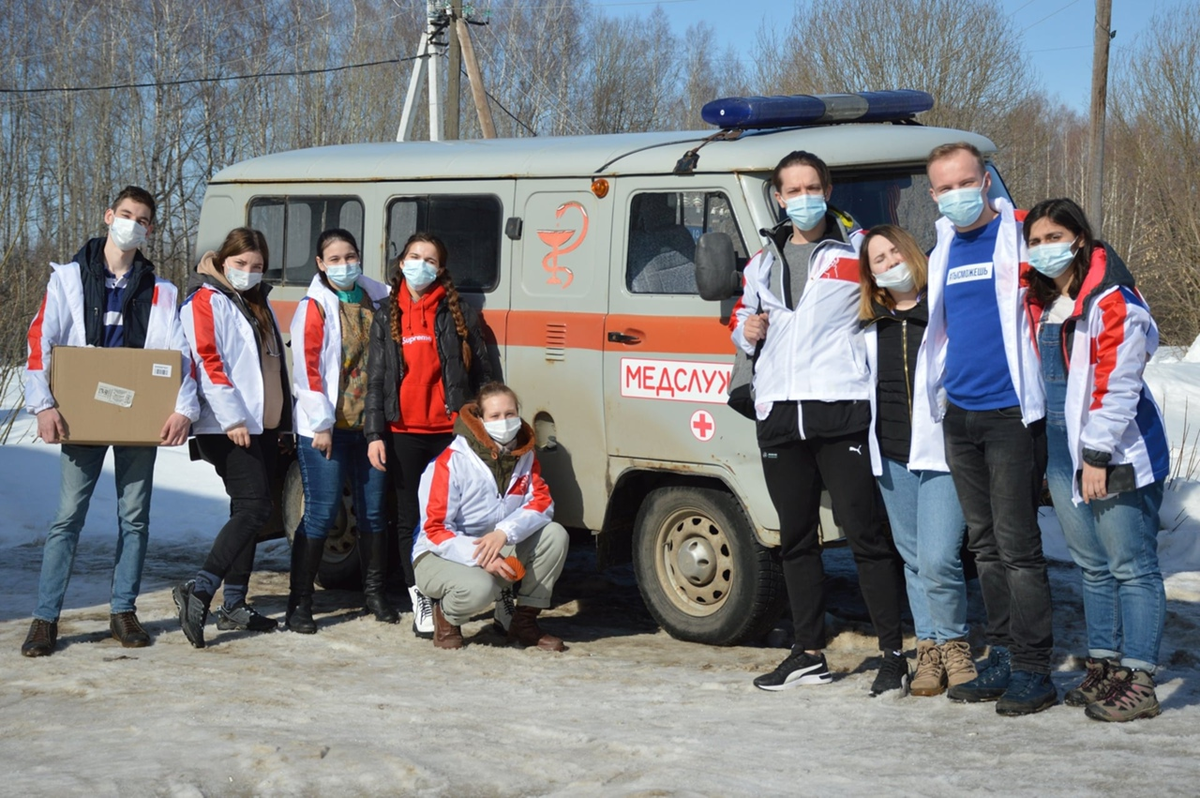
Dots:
{"x": 986, "y": 381}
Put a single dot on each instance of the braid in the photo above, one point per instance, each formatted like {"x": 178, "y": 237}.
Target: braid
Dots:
{"x": 397, "y": 286}
{"x": 460, "y": 322}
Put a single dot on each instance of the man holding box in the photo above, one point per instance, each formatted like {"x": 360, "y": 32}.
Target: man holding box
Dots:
{"x": 108, "y": 296}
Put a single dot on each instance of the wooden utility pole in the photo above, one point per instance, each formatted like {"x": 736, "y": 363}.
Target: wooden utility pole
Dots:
{"x": 453, "y": 83}
{"x": 486, "y": 125}
{"x": 1103, "y": 36}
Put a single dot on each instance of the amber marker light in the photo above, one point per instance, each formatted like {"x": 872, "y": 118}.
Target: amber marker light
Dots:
{"x": 600, "y": 187}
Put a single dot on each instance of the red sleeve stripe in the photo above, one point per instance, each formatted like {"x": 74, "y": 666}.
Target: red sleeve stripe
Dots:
{"x": 206, "y": 338}
{"x": 1106, "y": 345}
{"x": 154, "y": 298}
{"x": 35, "y": 338}
{"x": 314, "y": 339}
{"x": 733, "y": 314}
{"x": 541, "y": 500}
{"x": 438, "y": 504}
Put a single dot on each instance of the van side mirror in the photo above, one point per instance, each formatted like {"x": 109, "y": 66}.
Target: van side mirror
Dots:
{"x": 716, "y": 267}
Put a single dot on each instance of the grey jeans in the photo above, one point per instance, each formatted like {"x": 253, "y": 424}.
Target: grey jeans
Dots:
{"x": 464, "y": 590}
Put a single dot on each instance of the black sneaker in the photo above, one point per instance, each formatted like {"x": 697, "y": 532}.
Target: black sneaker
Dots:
{"x": 41, "y": 640}
{"x": 1027, "y": 692}
{"x": 892, "y": 675}
{"x": 994, "y": 675}
{"x": 799, "y": 668}
{"x": 193, "y": 612}
{"x": 243, "y": 617}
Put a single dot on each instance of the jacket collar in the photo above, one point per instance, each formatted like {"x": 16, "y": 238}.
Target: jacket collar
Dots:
{"x": 91, "y": 260}
{"x": 470, "y": 425}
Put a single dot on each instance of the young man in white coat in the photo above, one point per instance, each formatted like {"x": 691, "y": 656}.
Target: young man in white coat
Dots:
{"x": 107, "y": 296}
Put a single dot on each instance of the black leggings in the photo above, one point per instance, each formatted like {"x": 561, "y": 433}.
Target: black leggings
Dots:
{"x": 247, "y": 477}
{"x": 794, "y": 473}
{"x": 410, "y": 453}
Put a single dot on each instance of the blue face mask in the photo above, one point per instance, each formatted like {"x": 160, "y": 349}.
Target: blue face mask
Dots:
{"x": 1051, "y": 259}
{"x": 419, "y": 273}
{"x": 806, "y": 210}
{"x": 962, "y": 206}
{"x": 343, "y": 275}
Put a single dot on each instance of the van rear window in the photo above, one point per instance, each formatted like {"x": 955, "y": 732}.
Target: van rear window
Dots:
{"x": 469, "y": 225}
{"x": 292, "y": 226}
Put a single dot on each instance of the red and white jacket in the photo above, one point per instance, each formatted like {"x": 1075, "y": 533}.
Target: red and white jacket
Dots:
{"x": 317, "y": 353}
{"x": 228, "y": 362}
{"x": 460, "y": 502}
{"x": 816, "y": 350}
{"x": 60, "y": 322}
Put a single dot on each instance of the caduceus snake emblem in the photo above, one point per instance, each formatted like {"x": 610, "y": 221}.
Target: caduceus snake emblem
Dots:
{"x": 555, "y": 239}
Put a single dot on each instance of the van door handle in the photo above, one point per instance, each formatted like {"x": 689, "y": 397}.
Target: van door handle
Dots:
{"x": 623, "y": 338}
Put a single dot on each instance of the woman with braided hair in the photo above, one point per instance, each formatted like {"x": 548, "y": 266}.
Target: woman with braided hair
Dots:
{"x": 427, "y": 359}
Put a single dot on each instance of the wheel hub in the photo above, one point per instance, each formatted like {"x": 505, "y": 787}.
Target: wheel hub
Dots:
{"x": 697, "y": 562}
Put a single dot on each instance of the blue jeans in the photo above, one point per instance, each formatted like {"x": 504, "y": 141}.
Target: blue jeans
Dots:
{"x": 1114, "y": 541}
{"x": 81, "y": 467}
{"x": 928, "y": 528}
{"x": 324, "y": 481}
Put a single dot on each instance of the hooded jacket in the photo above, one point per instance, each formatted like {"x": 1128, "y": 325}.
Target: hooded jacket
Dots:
{"x": 459, "y": 383}
{"x": 1112, "y": 419}
{"x": 474, "y": 487}
{"x": 72, "y": 314}
{"x": 226, "y": 348}
{"x": 317, "y": 353}
{"x": 814, "y": 349}
{"x": 1009, "y": 261}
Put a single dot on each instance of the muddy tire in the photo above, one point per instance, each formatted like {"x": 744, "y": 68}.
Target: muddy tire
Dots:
{"x": 700, "y": 569}
{"x": 339, "y": 567}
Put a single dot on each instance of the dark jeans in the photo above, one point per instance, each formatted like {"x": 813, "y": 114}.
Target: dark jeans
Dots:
{"x": 324, "y": 479}
{"x": 247, "y": 477}
{"x": 410, "y": 453}
{"x": 794, "y": 472}
{"x": 997, "y": 464}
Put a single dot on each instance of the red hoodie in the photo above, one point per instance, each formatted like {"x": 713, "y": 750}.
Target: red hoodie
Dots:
{"x": 422, "y": 394}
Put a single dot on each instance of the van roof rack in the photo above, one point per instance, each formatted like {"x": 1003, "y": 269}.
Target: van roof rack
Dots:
{"x": 896, "y": 105}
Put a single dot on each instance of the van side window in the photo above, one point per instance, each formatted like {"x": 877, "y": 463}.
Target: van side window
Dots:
{"x": 292, "y": 226}
{"x": 469, "y": 225}
{"x": 663, "y": 230}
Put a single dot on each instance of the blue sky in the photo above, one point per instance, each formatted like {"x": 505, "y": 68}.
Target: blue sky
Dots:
{"x": 1057, "y": 33}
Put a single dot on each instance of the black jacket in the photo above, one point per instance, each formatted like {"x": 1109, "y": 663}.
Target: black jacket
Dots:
{"x": 136, "y": 300}
{"x": 899, "y": 333}
{"x": 458, "y": 383}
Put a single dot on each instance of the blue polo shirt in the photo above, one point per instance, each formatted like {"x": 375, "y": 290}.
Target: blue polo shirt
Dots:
{"x": 977, "y": 375}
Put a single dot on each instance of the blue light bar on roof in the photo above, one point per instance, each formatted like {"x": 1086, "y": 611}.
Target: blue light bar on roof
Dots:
{"x": 812, "y": 109}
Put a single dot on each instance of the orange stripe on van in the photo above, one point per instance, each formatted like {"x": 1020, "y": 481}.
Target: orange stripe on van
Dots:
{"x": 704, "y": 335}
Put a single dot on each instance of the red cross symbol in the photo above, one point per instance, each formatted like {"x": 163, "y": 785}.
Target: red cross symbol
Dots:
{"x": 702, "y": 425}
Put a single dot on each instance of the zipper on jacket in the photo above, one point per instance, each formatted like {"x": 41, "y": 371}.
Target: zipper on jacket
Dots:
{"x": 904, "y": 357}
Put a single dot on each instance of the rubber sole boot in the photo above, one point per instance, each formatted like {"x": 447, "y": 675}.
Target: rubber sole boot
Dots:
{"x": 524, "y": 630}
{"x": 372, "y": 552}
{"x": 306, "y": 561}
{"x": 445, "y": 634}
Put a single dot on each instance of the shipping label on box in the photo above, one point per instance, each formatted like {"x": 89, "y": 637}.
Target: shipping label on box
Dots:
{"x": 116, "y": 396}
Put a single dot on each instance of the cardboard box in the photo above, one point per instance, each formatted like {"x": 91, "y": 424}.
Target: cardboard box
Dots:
{"x": 114, "y": 396}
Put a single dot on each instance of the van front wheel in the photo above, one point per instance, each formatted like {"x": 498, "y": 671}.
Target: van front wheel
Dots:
{"x": 700, "y": 569}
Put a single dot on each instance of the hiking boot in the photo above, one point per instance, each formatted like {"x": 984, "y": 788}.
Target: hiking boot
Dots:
{"x": 1027, "y": 692}
{"x": 798, "y": 668}
{"x": 1095, "y": 685}
{"x": 956, "y": 657}
{"x": 41, "y": 640}
{"x": 524, "y": 630}
{"x": 1130, "y": 696}
{"x": 892, "y": 674}
{"x": 193, "y": 611}
{"x": 990, "y": 684}
{"x": 506, "y": 607}
{"x": 422, "y": 624}
{"x": 445, "y": 634}
{"x": 127, "y": 631}
{"x": 242, "y": 617}
{"x": 929, "y": 678}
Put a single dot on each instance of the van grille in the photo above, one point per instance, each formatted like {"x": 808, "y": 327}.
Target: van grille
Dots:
{"x": 556, "y": 341}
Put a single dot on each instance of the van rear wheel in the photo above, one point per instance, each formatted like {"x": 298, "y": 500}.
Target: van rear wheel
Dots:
{"x": 700, "y": 569}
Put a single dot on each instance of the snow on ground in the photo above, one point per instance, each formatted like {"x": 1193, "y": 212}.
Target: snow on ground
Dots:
{"x": 366, "y": 709}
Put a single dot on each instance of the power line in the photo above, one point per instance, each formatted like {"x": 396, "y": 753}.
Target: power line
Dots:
{"x": 191, "y": 81}
{"x": 1051, "y": 14}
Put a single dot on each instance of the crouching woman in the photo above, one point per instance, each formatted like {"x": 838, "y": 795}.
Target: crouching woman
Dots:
{"x": 486, "y": 523}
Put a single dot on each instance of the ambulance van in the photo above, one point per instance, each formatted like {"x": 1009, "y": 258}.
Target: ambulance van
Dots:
{"x": 581, "y": 254}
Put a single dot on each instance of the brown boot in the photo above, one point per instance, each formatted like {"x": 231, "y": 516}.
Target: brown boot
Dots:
{"x": 930, "y": 676}
{"x": 524, "y": 629}
{"x": 956, "y": 656}
{"x": 445, "y": 634}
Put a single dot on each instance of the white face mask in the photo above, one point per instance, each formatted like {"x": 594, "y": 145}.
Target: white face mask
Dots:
{"x": 242, "y": 281}
{"x": 503, "y": 430}
{"x": 419, "y": 273}
{"x": 897, "y": 277}
{"x": 126, "y": 233}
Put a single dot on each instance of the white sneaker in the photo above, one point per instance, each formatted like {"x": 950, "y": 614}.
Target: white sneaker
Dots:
{"x": 422, "y": 624}
{"x": 506, "y": 607}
